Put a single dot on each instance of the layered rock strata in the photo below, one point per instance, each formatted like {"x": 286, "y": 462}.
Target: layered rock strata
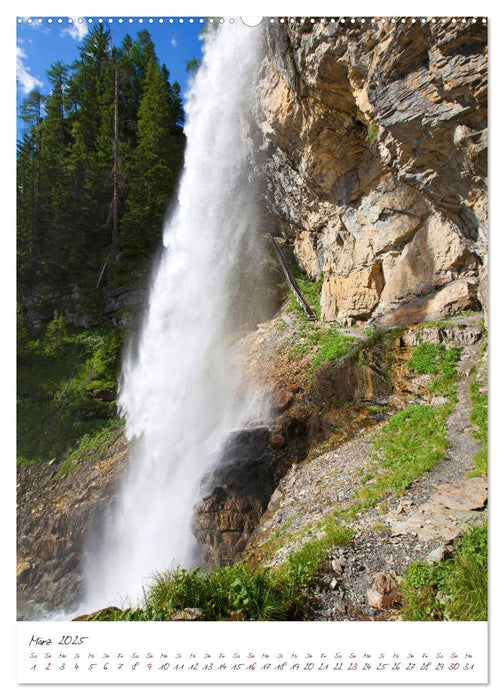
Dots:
{"x": 371, "y": 143}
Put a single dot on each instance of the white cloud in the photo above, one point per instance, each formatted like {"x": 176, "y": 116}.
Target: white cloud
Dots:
{"x": 173, "y": 42}
{"x": 77, "y": 30}
{"x": 23, "y": 76}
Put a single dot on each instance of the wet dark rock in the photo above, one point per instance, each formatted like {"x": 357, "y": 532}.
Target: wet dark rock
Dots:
{"x": 239, "y": 488}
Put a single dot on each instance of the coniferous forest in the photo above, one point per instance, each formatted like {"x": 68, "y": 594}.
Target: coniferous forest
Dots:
{"x": 97, "y": 165}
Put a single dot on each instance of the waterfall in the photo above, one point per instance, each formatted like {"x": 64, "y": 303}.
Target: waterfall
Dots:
{"x": 178, "y": 392}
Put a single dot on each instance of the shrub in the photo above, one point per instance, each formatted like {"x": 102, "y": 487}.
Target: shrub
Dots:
{"x": 55, "y": 335}
{"x": 92, "y": 389}
{"x": 66, "y": 388}
{"x": 372, "y": 131}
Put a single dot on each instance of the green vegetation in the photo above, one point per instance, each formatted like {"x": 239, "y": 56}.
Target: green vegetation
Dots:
{"x": 320, "y": 343}
{"x": 303, "y": 564}
{"x": 91, "y": 445}
{"x": 484, "y": 330}
{"x": 193, "y": 65}
{"x": 372, "y": 132}
{"x": 323, "y": 344}
{"x": 433, "y": 324}
{"x": 236, "y": 592}
{"x": 479, "y": 418}
{"x": 67, "y": 383}
{"x": 310, "y": 289}
{"x": 440, "y": 363}
{"x": 332, "y": 346}
{"x": 410, "y": 444}
{"x": 97, "y": 165}
{"x": 454, "y": 589}
{"x": 231, "y": 592}
{"x": 415, "y": 439}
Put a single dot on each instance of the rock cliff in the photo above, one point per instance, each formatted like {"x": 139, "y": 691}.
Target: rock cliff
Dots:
{"x": 55, "y": 517}
{"x": 371, "y": 143}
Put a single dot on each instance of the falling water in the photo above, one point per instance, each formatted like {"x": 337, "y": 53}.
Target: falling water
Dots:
{"x": 178, "y": 393}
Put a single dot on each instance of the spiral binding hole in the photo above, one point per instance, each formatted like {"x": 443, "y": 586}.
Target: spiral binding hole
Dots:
{"x": 346, "y": 21}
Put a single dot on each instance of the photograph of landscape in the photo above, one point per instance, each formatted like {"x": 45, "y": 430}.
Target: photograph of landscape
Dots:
{"x": 252, "y": 319}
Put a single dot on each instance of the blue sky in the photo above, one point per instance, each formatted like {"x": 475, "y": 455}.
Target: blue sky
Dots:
{"x": 39, "y": 45}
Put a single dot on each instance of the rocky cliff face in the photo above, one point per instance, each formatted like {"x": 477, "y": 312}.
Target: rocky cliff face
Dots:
{"x": 54, "y": 521}
{"x": 371, "y": 142}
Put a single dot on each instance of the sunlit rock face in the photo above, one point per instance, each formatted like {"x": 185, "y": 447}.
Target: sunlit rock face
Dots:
{"x": 371, "y": 142}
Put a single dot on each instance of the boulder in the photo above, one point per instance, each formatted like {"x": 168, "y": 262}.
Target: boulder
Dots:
{"x": 352, "y": 297}
{"x": 385, "y": 591}
{"x": 454, "y": 297}
{"x": 470, "y": 494}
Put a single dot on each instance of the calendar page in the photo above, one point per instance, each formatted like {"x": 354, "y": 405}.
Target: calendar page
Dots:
{"x": 252, "y": 348}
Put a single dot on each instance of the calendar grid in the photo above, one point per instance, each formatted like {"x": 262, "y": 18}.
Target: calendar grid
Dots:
{"x": 252, "y": 653}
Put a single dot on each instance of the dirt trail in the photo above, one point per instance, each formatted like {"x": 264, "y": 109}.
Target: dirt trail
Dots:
{"x": 434, "y": 510}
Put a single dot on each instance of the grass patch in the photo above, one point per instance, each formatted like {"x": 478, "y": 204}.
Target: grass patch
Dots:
{"x": 411, "y": 443}
{"x": 233, "y": 592}
{"x": 433, "y": 324}
{"x": 455, "y": 589}
{"x": 479, "y": 418}
{"x": 324, "y": 345}
{"x": 303, "y": 564}
{"x": 440, "y": 363}
{"x": 331, "y": 346}
{"x": 374, "y": 409}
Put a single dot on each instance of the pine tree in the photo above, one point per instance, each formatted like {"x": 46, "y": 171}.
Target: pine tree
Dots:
{"x": 28, "y": 186}
{"x": 60, "y": 251}
{"x": 97, "y": 165}
{"x": 156, "y": 164}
